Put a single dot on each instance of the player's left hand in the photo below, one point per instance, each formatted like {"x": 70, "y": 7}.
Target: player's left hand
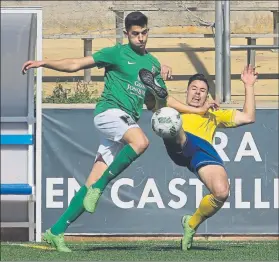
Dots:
{"x": 249, "y": 75}
{"x": 166, "y": 72}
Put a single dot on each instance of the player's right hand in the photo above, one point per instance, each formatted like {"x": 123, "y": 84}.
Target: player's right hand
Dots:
{"x": 213, "y": 105}
{"x": 30, "y": 64}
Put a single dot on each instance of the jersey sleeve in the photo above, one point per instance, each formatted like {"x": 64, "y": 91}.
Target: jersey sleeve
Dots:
{"x": 107, "y": 56}
{"x": 225, "y": 117}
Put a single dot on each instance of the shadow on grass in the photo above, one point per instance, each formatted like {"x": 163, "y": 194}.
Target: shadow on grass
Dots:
{"x": 143, "y": 248}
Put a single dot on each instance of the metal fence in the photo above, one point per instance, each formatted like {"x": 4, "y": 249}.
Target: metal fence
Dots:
{"x": 222, "y": 37}
{"x": 223, "y": 49}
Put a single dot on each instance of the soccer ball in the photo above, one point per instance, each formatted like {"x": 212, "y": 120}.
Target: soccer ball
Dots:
{"x": 166, "y": 122}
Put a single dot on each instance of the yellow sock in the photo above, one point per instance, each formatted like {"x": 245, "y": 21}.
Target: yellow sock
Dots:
{"x": 207, "y": 208}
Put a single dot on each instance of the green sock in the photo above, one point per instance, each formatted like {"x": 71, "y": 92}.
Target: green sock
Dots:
{"x": 125, "y": 157}
{"x": 74, "y": 210}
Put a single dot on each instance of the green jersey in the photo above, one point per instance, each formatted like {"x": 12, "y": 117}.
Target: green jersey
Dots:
{"x": 123, "y": 88}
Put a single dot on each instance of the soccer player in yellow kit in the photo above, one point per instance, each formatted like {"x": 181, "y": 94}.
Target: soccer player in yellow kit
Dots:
{"x": 193, "y": 148}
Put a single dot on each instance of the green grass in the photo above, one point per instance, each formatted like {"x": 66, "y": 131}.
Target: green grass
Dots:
{"x": 147, "y": 251}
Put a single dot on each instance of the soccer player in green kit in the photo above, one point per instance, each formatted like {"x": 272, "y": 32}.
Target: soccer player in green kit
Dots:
{"x": 116, "y": 115}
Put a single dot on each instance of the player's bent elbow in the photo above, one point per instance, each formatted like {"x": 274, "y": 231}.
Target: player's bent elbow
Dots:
{"x": 77, "y": 64}
{"x": 250, "y": 120}
{"x": 245, "y": 120}
{"x": 75, "y": 67}
{"x": 69, "y": 65}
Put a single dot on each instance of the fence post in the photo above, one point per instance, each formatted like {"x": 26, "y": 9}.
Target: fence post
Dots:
{"x": 119, "y": 18}
{"x": 227, "y": 53}
{"x": 276, "y": 29}
{"x": 251, "y": 54}
{"x": 87, "y": 46}
{"x": 218, "y": 51}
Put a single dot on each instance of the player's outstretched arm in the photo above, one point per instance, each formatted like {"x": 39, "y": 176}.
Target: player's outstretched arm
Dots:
{"x": 67, "y": 65}
{"x": 150, "y": 103}
{"x": 183, "y": 108}
{"x": 248, "y": 115}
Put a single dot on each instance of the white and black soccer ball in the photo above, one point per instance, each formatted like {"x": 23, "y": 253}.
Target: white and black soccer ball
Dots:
{"x": 166, "y": 122}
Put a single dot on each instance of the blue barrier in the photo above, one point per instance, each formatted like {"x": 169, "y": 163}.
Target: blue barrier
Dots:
{"x": 15, "y": 189}
{"x": 16, "y": 139}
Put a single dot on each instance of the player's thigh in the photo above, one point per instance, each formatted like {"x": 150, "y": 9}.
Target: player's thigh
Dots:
{"x": 114, "y": 123}
{"x": 216, "y": 180}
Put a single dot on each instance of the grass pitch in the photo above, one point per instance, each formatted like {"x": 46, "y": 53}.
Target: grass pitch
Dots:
{"x": 144, "y": 251}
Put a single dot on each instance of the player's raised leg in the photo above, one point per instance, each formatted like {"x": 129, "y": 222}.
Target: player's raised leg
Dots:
{"x": 149, "y": 81}
{"x": 137, "y": 143}
{"x": 215, "y": 179}
{"x": 160, "y": 93}
{"x": 124, "y": 128}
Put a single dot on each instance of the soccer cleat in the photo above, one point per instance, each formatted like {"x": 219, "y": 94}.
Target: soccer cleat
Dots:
{"x": 57, "y": 242}
{"x": 91, "y": 199}
{"x": 147, "y": 78}
{"x": 187, "y": 240}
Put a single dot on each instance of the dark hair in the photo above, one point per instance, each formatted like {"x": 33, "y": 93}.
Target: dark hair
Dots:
{"x": 199, "y": 77}
{"x": 135, "y": 18}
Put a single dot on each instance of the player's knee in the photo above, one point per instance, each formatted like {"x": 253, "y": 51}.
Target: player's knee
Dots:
{"x": 141, "y": 145}
{"x": 221, "y": 192}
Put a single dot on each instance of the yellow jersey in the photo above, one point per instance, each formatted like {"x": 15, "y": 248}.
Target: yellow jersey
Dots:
{"x": 204, "y": 126}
